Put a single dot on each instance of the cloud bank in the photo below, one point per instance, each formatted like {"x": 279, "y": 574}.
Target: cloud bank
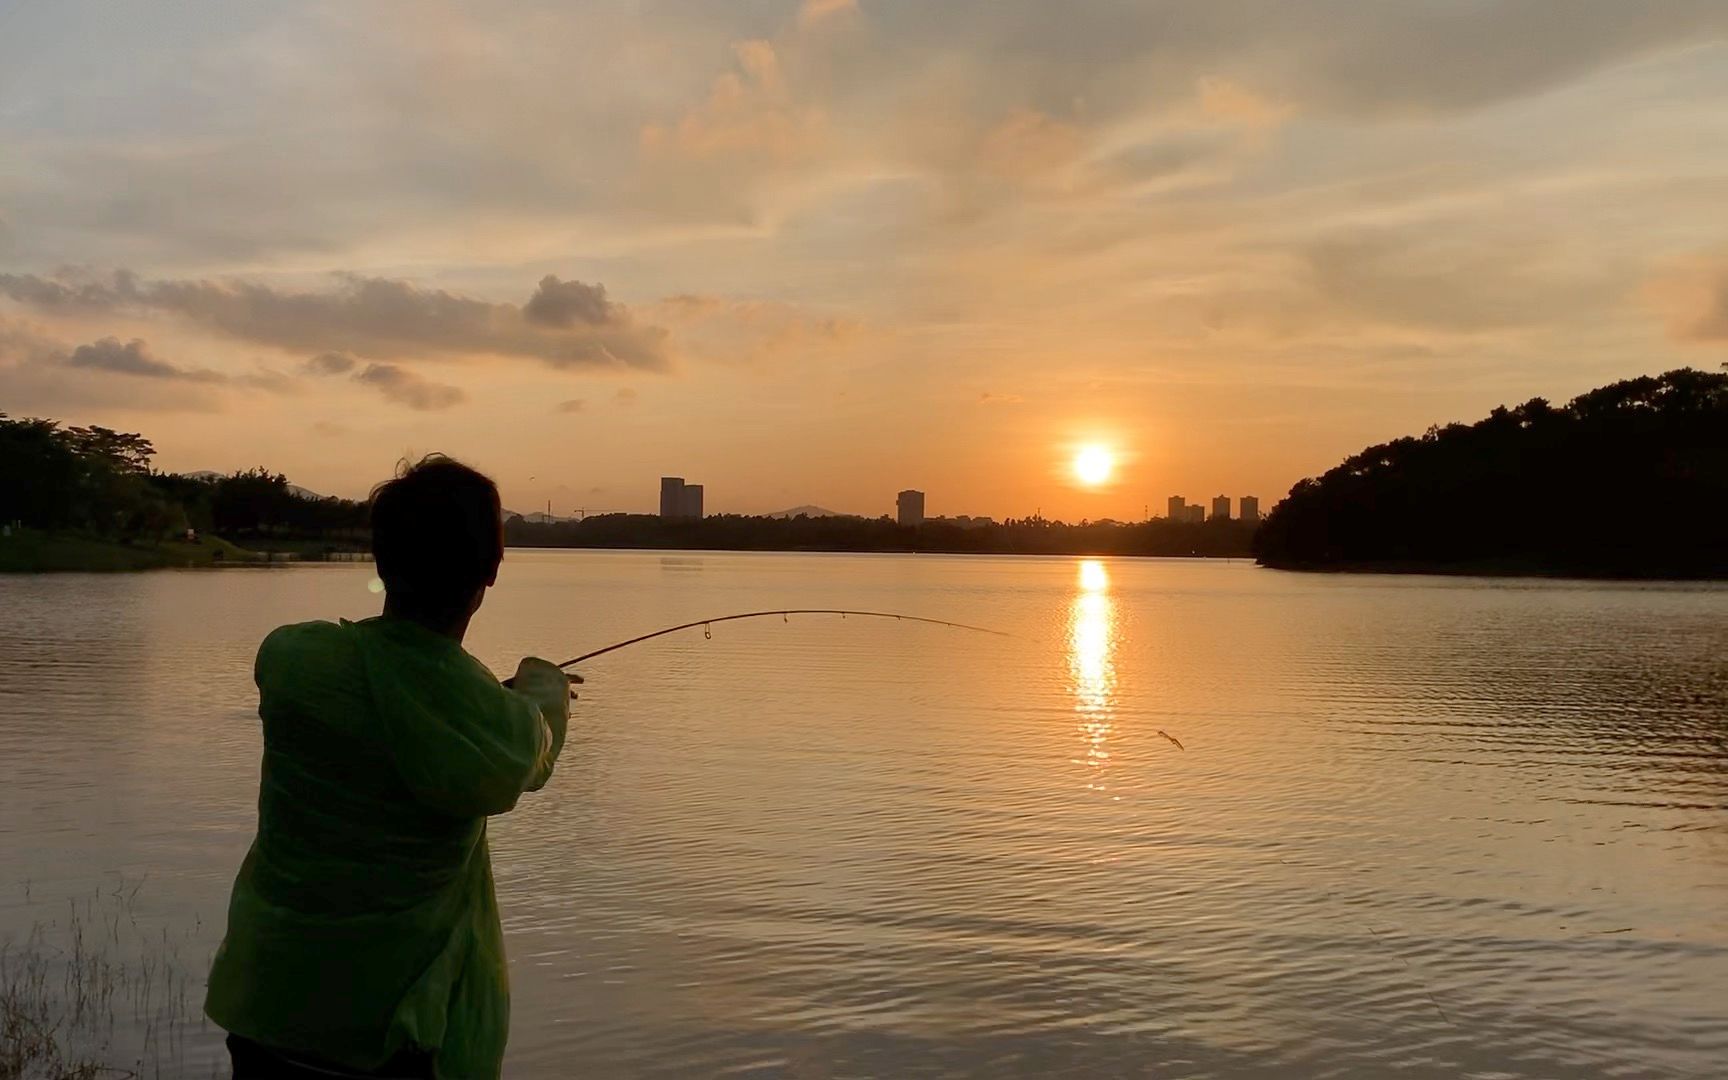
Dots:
{"x": 564, "y": 324}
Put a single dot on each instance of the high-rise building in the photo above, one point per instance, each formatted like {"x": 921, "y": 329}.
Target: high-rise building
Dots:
{"x": 1177, "y": 508}
{"x": 909, "y": 506}
{"x": 671, "y": 496}
{"x": 1221, "y": 508}
{"x": 1195, "y": 513}
{"x": 1250, "y": 508}
{"x": 678, "y": 499}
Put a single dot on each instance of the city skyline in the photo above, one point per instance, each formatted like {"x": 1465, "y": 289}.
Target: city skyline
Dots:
{"x": 680, "y": 499}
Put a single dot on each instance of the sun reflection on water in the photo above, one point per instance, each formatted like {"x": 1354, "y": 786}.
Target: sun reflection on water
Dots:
{"x": 1091, "y": 663}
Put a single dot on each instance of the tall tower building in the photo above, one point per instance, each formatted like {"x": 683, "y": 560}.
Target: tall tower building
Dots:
{"x": 690, "y": 505}
{"x": 671, "y": 496}
{"x": 909, "y": 506}
{"x": 1221, "y": 508}
{"x": 1177, "y": 508}
{"x": 1250, "y": 508}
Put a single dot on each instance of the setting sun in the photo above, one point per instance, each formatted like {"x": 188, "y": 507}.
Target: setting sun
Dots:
{"x": 1093, "y": 465}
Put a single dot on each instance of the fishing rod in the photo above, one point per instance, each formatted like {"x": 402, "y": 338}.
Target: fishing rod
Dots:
{"x": 784, "y": 613}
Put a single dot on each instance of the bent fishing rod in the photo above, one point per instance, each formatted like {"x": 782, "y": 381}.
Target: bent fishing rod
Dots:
{"x": 783, "y": 613}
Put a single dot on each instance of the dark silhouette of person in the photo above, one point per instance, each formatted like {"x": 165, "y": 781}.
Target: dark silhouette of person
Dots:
{"x": 363, "y": 936}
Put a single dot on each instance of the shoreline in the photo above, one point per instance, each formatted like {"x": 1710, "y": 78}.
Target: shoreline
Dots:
{"x": 33, "y": 552}
{"x": 29, "y": 551}
{"x": 1487, "y": 570}
{"x": 822, "y": 550}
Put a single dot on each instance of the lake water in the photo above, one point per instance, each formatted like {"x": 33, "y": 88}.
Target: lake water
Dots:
{"x": 1425, "y": 827}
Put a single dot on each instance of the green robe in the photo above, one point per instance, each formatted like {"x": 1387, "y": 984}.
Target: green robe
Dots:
{"x": 363, "y": 920}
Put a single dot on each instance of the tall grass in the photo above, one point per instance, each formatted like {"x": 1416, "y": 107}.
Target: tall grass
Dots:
{"x": 95, "y": 992}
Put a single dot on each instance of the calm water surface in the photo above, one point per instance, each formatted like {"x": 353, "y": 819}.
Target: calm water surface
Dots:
{"x": 1424, "y": 827}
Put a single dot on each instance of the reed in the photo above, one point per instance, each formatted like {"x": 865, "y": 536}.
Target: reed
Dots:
{"x": 92, "y": 990}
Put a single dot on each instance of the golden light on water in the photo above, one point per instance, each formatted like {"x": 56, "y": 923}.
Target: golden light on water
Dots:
{"x": 1093, "y": 576}
{"x": 1093, "y": 464}
{"x": 1092, "y": 666}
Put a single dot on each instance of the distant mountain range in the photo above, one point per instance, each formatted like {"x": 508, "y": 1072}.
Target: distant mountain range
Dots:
{"x": 808, "y": 511}
{"x": 293, "y": 489}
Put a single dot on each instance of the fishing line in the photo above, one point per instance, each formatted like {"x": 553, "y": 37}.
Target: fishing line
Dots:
{"x": 705, "y": 624}
{"x": 784, "y": 613}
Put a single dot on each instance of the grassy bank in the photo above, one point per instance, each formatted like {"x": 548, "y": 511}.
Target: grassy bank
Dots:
{"x": 33, "y": 551}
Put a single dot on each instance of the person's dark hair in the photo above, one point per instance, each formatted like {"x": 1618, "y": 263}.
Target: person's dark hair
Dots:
{"x": 437, "y": 536}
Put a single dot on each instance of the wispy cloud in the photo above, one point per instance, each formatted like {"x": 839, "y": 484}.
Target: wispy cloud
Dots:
{"x": 393, "y": 381}
{"x": 133, "y": 358}
{"x": 406, "y": 388}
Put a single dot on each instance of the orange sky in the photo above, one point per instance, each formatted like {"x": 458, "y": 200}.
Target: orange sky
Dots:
{"x": 818, "y": 252}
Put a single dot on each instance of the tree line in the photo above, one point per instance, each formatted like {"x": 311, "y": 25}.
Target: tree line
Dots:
{"x": 1630, "y": 479}
{"x": 1027, "y": 536}
{"x": 98, "y": 482}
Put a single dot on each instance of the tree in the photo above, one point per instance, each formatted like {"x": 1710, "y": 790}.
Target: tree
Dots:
{"x": 1629, "y": 479}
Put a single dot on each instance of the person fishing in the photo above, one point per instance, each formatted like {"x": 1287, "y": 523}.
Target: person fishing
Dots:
{"x": 363, "y": 936}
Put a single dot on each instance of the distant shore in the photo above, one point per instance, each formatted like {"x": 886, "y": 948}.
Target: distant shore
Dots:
{"x": 1218, "y": 538}
{"x": 699, "y": 549}
{"x": 1494, "y": 568}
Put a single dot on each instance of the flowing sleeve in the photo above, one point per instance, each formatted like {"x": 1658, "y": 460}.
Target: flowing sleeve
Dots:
{"x": 462, "y": 743}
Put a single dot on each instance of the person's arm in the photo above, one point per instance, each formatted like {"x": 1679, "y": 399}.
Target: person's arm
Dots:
{"x": 547, "y": 688}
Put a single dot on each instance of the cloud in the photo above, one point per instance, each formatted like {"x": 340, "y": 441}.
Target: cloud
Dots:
{"x": 328, "y": 428}
{"x": 573, "y": 405}
{"x": 329, "y": 363}
{"x": 1030, "y": 143}
{"x": 340, "y": 145}
{"x": 132, "y": 358}
{"x": 566, "y": 303}
{"x": 816, "y": 11}
{"x": 1432, "y": 278}
{"x": 988, "y": 398}
{"x": 749, "y": 114}
{"x": 393, "y": 381}
{"x": 406, "y": 388}
{"x": 1398, "y": 57}
{"x": 39, "y": 372}
{"x": 371, "y": 317}
{"x": 1692, "y": 296}
{"x": 626, "y": 396}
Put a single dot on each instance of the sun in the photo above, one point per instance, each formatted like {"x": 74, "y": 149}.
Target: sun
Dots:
{"x": 1093, "y": 465}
